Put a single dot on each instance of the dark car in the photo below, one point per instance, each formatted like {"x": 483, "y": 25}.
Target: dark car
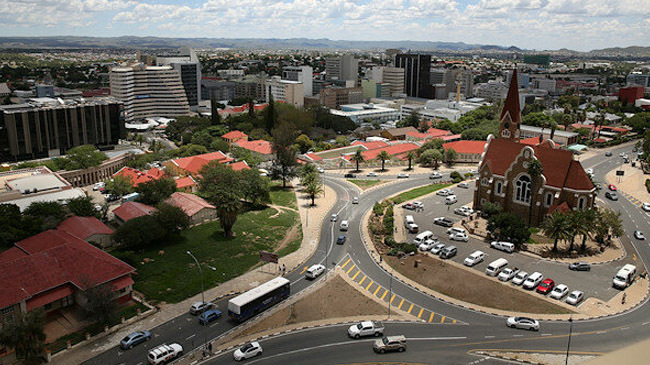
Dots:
{"x": 443, "y": 221}
{"x": 608, "y": 154}
{"x": 580, "y": 266}
{"x": 340, "y": 240}
{"x": 134, "y": 338}
{"x": 611, "y": 195}
{"x": 546, "y": 286}
{"x": 209, "y": 316}
{"x": 352, "y": 176}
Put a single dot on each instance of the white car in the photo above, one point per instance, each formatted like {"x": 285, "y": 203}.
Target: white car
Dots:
{"x": 402, "y": 175}
{"x": 559, "y": 291}
{"x": 371, "y": 174}
{"x": 320, "y": 170}
{"x": 200, "y": 307}
{"x": 508, "y": 274}
{"x": 590, "y": 171}
{"x": 520, "y": 278}
{"x": 314, "y": 271}
{"x": 639, "y": 235}
{"x": 464, "y": 211}
{"x": 164, "y": 353}
{"x": 435, "y": 175}
{"x": 247, "y": 351}
{"x": 355, "y": 200}
{"x": 334, "y": 217}
{"x": 463, "y": 185}
{"x": 98, "y": 186}
{"x": 474, "y": 258}
{"x": 575, "y": 297}
{"x": 473, "y": 172}
{"x": 344, "y": 225}
{"x": 533, "y": 280}
{"x": 456, "y": 230}
{"x": 418, "y": 204}
{"x": 445, "y": 192}
{"x": 437, "y": 248}
{"x": 646, "y": 207}
{"x": 428, "y": 244}
{"x": 523, "y": 323}
{"x": 459, "y": 237}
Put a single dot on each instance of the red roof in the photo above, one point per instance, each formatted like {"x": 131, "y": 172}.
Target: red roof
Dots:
{"x": 560, "y": 208}
{"x": 418, "y": 135}
{"x": 370, "y": 145}
{"x": 156, "y": 173}
{"x": 476, "y": 147}
{"x": 314, "y": 157}
{"x": 260, "y": 146}
{"x": 239, "y": 165}
{"x": 532, "y": 141}
{"x": 511, "y": 105}
{"x": 453, "y": 137}
{"x": 185, "y": 182}
{"x": 84, "y": 227}
{"x": 600, "y": 140}
{"x": 435, "y": 132}
{"x": 396, "y": 150}
{"x": 54, "y": 260}
{"x": 194, "y": 164}
{"x": 130, "y": 210}
{"x": 234, "y": 135}
{"x": 559, "y": 167}
{"x": 137, "y": 177}
{"x": 189, "y": 203}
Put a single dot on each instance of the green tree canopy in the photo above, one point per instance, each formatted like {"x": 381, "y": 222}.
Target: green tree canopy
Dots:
{"x": 155, "y": 191}
{"x": 508, "y": 227}
{"x": 25, "y": 334}
{"x": 83, "y": 157}
{"x": 171, "y": 217}
{"x": 304, "y": 143}
{"x": 82, "y": 206}
{"x": 119, "y": 185}
{"x": 48, "y": 214}
{"x": 139, "y": 232}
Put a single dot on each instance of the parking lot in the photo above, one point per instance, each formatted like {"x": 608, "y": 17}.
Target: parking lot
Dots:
{"x": 596, "y": 283}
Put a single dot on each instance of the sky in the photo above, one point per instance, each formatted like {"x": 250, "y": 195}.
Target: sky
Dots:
{"x": 530, "y": 24}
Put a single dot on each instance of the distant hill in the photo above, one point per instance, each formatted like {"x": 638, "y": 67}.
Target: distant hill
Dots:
{"x": 634, "y": 51}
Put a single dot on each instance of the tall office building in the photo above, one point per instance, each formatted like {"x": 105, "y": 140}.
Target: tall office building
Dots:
{"x": 48, "y": 127}
{"x": 345, "y": 67}
{"x": 438, "y": 76}
{"x": 417, "y": 80}
{"x": 154, "y": 91}
{"x": 187, "y": 64}
{"x": 462, "y": 76}
{"x": 289, "y": 92}
{"x": 218, "y": 89}
{"x": 393, "y": 76}
{"x": 303, "y": 74}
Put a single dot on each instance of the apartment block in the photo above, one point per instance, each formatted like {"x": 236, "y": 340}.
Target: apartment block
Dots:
{"x": 334, "y": 97}
{"x": 303, "y": 74}
{"x": 290, "y": 92}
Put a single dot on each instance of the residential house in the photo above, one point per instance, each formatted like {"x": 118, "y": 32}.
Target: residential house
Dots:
{"x": 261, "y": 148}
{"x": 89, "y": 229}
{"x": 130, "y": 210}
{"x": 195, "y": 207}
{"x": 233, "y": 136}
{"x": 138, "y": 177}
{"x": 190, "y": 166}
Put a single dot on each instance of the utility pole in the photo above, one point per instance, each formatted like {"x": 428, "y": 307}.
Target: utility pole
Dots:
{"x": 201, "y": 272}
{"x": 568, "y": 347}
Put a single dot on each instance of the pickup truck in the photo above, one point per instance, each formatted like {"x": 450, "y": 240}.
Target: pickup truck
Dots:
{"x": 366, "y": 328}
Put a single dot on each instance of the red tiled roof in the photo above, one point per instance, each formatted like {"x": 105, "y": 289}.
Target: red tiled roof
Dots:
{"x": 561, "y": 208}
{"x": 260, "y": 146}
{"x": 12, "y": 254}
{"x": 194, "y": 164}
{"x": 84, "y": 227}
{"x": 396, "y": 150}
{"x": 370, "y": 145}
{"x": 239, "y": 165}
{"x": 185, "y": 182}
{"x": 476, "y": 147}
{"x": 130, "y": 210}
{"x": 234, "y": 134}
{"x": 156, "y": 173}
{"x": 452, "y": 137}
{"x": 135, "y": 176}
{"x": 600, "y": 140}
{"x": 435, "y": 132}
{"x": 511, "y": 105}
{"x": 532, "y": 141}
{"x": 189, "y": 203}
{"x": 52, "y": 259}
{"x": 314, "y": 157}
{"x": 418, "y": 135}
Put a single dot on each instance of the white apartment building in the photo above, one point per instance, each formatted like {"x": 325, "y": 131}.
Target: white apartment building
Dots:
{"x": 362, "y": 112}
{"x": 149, "y": 91}
{"x": 439, "y": 109}
{"x": 304, "y": 74}
{"x": 492, "y": 90}
{"x": 290, "y": 92}
{"x": 545, "y": 84}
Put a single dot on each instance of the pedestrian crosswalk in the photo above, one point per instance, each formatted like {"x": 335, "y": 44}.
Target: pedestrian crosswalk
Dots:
{"x": 395, "y": 301}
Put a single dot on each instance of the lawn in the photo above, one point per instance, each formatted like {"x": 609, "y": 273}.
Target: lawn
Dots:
{"x": 365, "y": 184}
{"x": 166, "y": 273}
{"x": 417, "y": 192}
{"x": 285, "y": 198}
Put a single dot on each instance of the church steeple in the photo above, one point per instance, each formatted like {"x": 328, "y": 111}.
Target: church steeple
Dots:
{"x": 511, "y": 114}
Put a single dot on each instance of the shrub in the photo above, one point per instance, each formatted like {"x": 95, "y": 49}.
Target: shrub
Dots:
{"x": 378, "y": 209}
{"x": 469, "y": 175}
{"x": 456, "y": 177}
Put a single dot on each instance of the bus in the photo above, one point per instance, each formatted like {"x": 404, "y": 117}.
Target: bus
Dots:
{"x": 256, "y": 300}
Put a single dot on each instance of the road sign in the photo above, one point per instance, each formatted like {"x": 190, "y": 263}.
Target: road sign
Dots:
{"x": 620, "y": 173}
{"x": 268, "y": 257}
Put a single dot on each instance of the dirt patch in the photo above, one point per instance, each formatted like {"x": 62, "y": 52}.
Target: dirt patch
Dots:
{"x": 335, "y": 299}
{"x": 367, "y": 184}
{"x": 291, "y": 235}
{"x": 470, "y": 287}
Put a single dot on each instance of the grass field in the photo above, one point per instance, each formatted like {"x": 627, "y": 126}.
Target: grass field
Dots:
{"x": 173, "y": 276}
{"x": 417, "y": 192}
{"x": 365, "y": 184}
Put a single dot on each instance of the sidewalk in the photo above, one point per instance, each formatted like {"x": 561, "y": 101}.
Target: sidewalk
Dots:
{"x": 632, "y": 183}
{"x": 311, "y": 237}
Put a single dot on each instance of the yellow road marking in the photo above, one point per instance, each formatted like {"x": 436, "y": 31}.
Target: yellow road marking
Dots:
{"x": 421, "y": 311}
{"x": 304, "y": 269}
{"x": 369, "y": 285}
{"x": 357, "y": 274}
{"x": 350, "y": 269}
{"x": 442, "y": 320}
{"x": 634, "y": 257}
{"x": 431, "y": 317}
{"x": 454, "y": 321}
{"x": 347, "y": 262}
{"x": 400, "y": 304}
{"x": 410, "y": 309}
{"x": 376, "y": 290}
{"x": 384, "y": 295}
{"x": 362, "y": 280}
{"x": 392, "y": 298}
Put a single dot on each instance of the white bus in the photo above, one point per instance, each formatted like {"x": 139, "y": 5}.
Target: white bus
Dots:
{"x": 256, "y": 300}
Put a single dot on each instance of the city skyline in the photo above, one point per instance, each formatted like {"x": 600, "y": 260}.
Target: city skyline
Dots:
{"x": 528, "y": 24}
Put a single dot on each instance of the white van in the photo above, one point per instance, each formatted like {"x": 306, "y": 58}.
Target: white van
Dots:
{"x": 419, "y": 239}
{"x": 451, "y": 199}
{"x": 495, "y": 267}
{"x": 314, "y": 271}
{"x": 624, "y": 276}
{"x": 344, "y": 225}
{"x": 503, "y": 246}
{"x": 408, "y": 220}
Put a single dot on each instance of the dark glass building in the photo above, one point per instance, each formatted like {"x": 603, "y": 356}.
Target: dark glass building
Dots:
{"x": 417, "y": 75}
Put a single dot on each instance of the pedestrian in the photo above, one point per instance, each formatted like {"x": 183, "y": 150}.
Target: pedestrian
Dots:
{"x": 204, "y": 354}
{"x": 210, "y": 347}
{"x": 623, "y": 299}
{"x": 284, "y": 269}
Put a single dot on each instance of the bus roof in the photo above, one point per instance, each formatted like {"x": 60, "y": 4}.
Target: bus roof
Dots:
{"x": 237, "y": 302}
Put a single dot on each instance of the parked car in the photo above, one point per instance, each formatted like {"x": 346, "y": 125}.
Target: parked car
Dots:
{"x": 314, "y": 271}
{"x": 390, "y": 343}
{"x": 624, "y": 277}
{"x": 451, "y": 199}
{"x": 508, "y": 273}
{"x": 349, "y": 176}
{"x": 464, "y": 211}
{"x": 474, "y": 258}
{"x": 99, "y": 185}
{"x": 418, "y": 204}
{"x": 580, "y": 266}
{"x": 611, "y": 195}
{"x": 462, "y": 237}
{"x": 437, "y": 248}
{"x": 546, "y": 286}
{"x": 608, "y": 154}
{"x": 523, "y": 323}
{"x": 435, "y": 175}
{"x": 111, "y": 197}
{"x": 334, "y": 217}
{"x": 366, "y": 328}
{"x": 247, "y": 351}
{"x": 646, "y": 207}
{"x": 590, "y": 171}
{"x": 519, "y": 278}
{"x": 559, "y": 292}
{"x": 320, "y": 170}
{"x": 575, "y": 297}
{"x": 454, "y": 230}
{"x": 371, "y": 174}
{"x": 443, "y": 221}
{"x": 402, "y": 175}
{"x": 209, "y": 316}
{"x": 408, "y": 206}
{"x": 340, "y": 240}
{"x": 428, "y": 244}
{"x": 639, "y": 235}
{"x": 355, "y": 200}
{"x": 448, "y": 252}
{"x": 134, "y": 339}
{"x": 533, "y": 280}
{"x": 412, "y": 227}
{"x": 503, "y": 246}
{"x": 200, "y": 307}
{"x": 344, "y": 225}
{"x": 611, "y": 187}
{"x": 445, "y": 192}
{"x": 463, "y": 185}
{"x": 164, "y": 353}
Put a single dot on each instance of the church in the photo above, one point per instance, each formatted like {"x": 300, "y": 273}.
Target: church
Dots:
{"x": 504, "y": 176}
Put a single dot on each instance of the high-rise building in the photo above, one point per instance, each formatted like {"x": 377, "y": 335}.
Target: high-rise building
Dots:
{"x": 345, "y": 67}
{"x": 303, "y": 74}
{"x": 462, "y": 76}
{"x": 251, "y": 86}
{"x": 638, "y": 79}
{"x": 219, "y": 89}
{"x": 374, "y": 89}
{"x": 187, "y": 64}
{"x": 390, "y": 75}
{"x": 438, "y": 76}
{"x": 417, "y": 68}
{"x": 289, "y": 92}
{"x": 149, "y": 91}
{"x": 523, "y": 80}
{"x": 492, "y": 90}
{"x": 47, "y": 127}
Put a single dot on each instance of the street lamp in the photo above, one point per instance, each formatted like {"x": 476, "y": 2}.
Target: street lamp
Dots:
{"x": 568, "y": 346}
{"x": 200, "y": 271}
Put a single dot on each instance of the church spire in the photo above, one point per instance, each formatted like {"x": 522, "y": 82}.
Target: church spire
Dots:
{"x": 511, "y": 114}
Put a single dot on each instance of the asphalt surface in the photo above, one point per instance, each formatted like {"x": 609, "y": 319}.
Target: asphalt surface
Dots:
{"x": 437, "y": 342}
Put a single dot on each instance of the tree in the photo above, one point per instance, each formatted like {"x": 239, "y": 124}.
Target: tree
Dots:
{"x": 215, "y": 118}
{"x": 83, "y": 157}
{"x": 139, "y": 232}
{"x": 490, "y": 209}
{"x": 119, "y": 185}
{"x": 575, "y": 220}
{"x": 48, "y": 215}
{"x": 25, "y": 334}
{"x": 304, "y": 143}
{"x": 588, "y": 226}
{"x": 171, "y": 217}
{"x": 357, "y": 158}
{"x": 202, "y": 138}
{"x": 608, "y": 225}
{"x": 307, "y": 172}
{"x": 221, "y": 186}
{"x": 434, "y": 144}
{"x": 100, "y": 304}
{"x": 270, "y": 115}
{"x": 410, "y": 155}
{"x": 155, "y": 191}
{"x": 342, "y": 141}
{"x": 314, "y": 188}
{"x": 139, "y": 139}
{"x": 413, "y": 120}
{"x": 190, "y": 150}
{"x": 535, "y": 170}
{"x": 538, "y": 119}
{"x": 450, "y": 156}
{"x": 285, "y": 154}
{"x": 14, "y": 227}
{"x": 219, "y": 144}
{"x": 508, "y": 227}
{"x": 383, "y": 156}
{"x": 82, "y": 206}
{"x": 556, "y": 226}
{"x": 255, "y": 188}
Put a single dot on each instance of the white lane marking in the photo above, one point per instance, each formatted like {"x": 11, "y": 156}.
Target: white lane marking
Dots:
{"x": 517, "y": 335}
{"x": 625, "y": 328}
{"x": 215, "y": 323}
{"x": 190, "y": 336}
{"x": 547, "y": 334}
{"x": 489, "y": 336}
{"x": 435, "y": 338}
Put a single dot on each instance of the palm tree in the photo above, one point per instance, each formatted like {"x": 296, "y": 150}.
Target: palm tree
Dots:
{"x": 411, "y": 155}
{"x": 556, "y": 226}
{"x": 227, "y": 210}
{"x": 535, "y": 170}
{"x": 314, "y": 188}
{"x": 383, "y": 156}
{"x": 307, "y": 170}
{"x": 576, "y": 219}
{"x": 587, "y": 227}
{"x": 358, "y": 157}
{"x": 436, "y": 157}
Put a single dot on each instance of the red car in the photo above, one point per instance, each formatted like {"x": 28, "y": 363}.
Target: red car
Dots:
{"x": 546, "y": 286}
{"x": 611, "y": 187}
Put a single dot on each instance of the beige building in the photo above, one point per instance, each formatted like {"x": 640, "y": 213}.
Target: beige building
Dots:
{"x": 334, "y": 97}
{"x": 290, "y": 92}
{"x": 394, "y": 76}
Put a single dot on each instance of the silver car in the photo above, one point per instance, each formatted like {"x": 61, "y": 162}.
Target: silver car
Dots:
{"x": 523, "y": 323}
{"x": 575, "y": 297}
